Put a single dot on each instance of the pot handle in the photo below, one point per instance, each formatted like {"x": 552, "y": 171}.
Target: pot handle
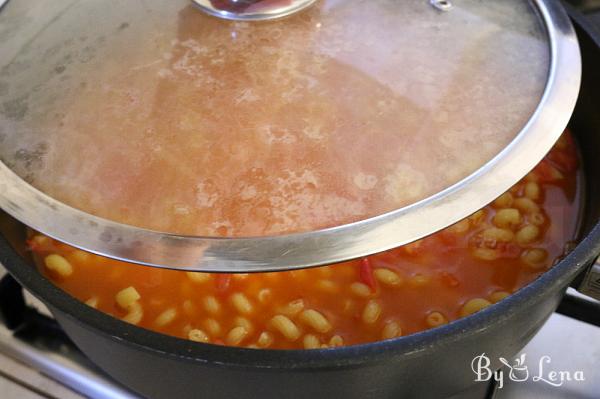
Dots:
{"x": 12, "y": 303}
{"x": 580, "y": 308}
{"x": 34, "y": 335}
{"x": 16, "y": 315}
{"x": 584, "y": 306}
{"x": 590, "y": 285}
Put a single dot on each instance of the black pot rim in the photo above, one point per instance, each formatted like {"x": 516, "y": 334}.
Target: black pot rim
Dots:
{"x": 554, "y": 280}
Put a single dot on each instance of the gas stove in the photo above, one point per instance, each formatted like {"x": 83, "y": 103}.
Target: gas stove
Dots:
{"x": 37, "y": 359}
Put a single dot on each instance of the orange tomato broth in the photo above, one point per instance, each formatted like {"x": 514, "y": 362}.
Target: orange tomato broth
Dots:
{"x": 454, "y": 272}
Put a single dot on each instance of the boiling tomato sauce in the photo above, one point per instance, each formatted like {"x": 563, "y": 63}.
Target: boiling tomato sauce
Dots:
{"x": 451, "y": 274}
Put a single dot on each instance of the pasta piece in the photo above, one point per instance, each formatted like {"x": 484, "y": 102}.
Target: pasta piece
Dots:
{"x": 387, "y": 277}
{"x": 236, "y": 335}
{"x": 39, "y": 241}
{"x": 199, "y": 277}
{"x": 328, "y": 286}
{"x": 315, "y": 320}
{"x": 507, "y": 218}
{"x": 485, "y": 254}
{"x": 166, "y": 317}
{"x": 495, "y": 234}
{"x": 391, "y": 330}
{"x": 311, "y": 342}
{"x": 360, "y": 289}
{"x": 537, "y": 219}
{"x": 371, "y": 312}
{"x": 419, "y": 280}
{"x": 243, "y": 322}
{"x": 80, "y": 257}
{"x": 527, "y": 234}
{"x": 198, "y": 335}
{"x": 336, "y": 341}
{"x": 532, "y": 191}
{"x": 292, "y": 308}
{"x": 126, "y": 297}
{"x": 286, "y": 327}
{"x": 473, "y": 306}
{"x": 526, "y": 205}
{"x": 503, "y": 201}
{"x": 498, "y": 296}
{"x": 92, "y": 302}
{"x": 59, "y": 265}
{"x": 241, "y": 303}
{"x": 211, "y": 304}
{"x": 264, "y": 295}
{"x": 535, "y": 258}
{"x": 135, "y": 314}
{"x": 265, "y": 339}
{"x": 213, "y": 327}
{"x": 436, "y": 319}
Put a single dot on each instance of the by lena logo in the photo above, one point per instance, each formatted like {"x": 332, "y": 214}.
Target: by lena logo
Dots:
{"x": 519, "y": 371}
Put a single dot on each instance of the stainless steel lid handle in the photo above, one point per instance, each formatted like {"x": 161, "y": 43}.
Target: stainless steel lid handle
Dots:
{"x": 251, "y": 10}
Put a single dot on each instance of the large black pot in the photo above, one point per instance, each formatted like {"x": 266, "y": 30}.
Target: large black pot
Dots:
{"x": 430, "y": 364}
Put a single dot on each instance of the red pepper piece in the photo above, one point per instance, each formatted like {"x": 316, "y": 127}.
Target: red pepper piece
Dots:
{"x": 35, "y": 244}
{"x": 366, "y": 273}
{"x": 32, "y": 245}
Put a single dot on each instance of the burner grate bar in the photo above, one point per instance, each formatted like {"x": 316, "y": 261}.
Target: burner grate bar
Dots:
{"x": 69, "y": 370}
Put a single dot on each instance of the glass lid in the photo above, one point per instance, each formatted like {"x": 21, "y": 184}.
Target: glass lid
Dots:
{"x": 152, "y": 132}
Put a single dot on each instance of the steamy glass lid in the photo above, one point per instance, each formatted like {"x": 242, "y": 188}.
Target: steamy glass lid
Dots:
{"x": 155, "y": 115}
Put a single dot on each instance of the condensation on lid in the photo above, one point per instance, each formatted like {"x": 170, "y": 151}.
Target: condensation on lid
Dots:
{"x": 153, "y": 114}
